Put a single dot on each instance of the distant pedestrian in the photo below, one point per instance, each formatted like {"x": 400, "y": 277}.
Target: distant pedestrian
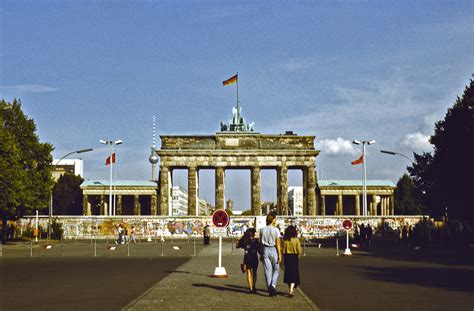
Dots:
{"x": 363, "y": 234}
{"x": 207, "y": 235}
{"x": 291, "y": 254}
{"x": 251, "y": 246}
{"x": 132, "y": 235}
{"x": 125, "y": 236}
{"x": 271, "y": 254}
{"x": 369, "y": 234}
{"x": 120, "y": 235}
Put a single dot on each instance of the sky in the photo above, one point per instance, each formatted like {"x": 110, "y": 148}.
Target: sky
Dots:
{"x": 338, "y": 70}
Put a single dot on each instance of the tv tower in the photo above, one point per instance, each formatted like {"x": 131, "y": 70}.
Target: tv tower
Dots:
{"x": 153, "y": 157}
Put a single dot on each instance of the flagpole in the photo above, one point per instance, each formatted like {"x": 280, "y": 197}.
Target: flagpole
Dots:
{"x": 115, "y": 181}
{"x": 237, "y": 89}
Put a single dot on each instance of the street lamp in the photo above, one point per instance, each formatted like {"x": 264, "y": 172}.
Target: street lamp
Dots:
{"x": 110, "y": 143}
{"x": 51, "y": 203}
{"x": 364, "y": 177}
{"x": 396, "y": 153}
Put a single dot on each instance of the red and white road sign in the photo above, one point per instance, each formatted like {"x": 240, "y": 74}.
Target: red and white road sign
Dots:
{"x": 220, "y": 218}
{"x": 347, "y": 224}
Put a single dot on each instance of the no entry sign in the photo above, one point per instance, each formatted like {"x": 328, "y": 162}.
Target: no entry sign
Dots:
{"x": 347, "y": 224}
{"x": 220, "y": 218}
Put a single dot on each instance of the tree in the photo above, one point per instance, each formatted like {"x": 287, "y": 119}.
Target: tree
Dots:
{"x": 67, "y": 195}
{"x": 247, "y": 213}
{"x": 25, "y": 165}
{"x": 447, "y": 175}
{"x": 407, "y": 198}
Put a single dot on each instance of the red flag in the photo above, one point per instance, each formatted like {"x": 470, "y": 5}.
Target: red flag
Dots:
{"x": 107, "y": 161}
{"x": 358, "y": 161}
{"x": 231, "y": 80}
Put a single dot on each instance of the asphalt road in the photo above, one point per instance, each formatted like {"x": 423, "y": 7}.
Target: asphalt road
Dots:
{"x": 390, "y": 279}
{"x": 57, "y": 283}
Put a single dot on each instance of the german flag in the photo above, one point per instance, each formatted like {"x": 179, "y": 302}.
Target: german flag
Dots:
{"x": 231, "y": 80}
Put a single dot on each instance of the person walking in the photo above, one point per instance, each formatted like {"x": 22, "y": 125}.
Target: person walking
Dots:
{"x": 291, "y": 254}
{"x": 271, "y": 253}
{"x": 120, "y": 234}
{"x": 207, "y": 235}
{"x": 251, "y": 247}
{"x": 132, "y": 235}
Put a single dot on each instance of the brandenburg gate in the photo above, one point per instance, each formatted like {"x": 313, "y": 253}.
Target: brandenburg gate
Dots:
{"x": 237, "y": 146}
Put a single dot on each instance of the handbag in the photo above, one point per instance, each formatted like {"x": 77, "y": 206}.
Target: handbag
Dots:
{"x": 243, "y": 267}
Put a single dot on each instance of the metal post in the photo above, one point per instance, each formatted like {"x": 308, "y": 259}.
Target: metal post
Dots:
{"x": 337, "y": 246}
{"x": 95, "y": 247}
{"x": 304, "y": 247}
{"x": 110, "y": 185}
{"x": 220, "y": 251}
{"x": 364, "y": 186}
{"x": 161, "y": 247}
{"x": 232, "y": 249}
{"x": 61, "y": 246}
{"x": 194, "y": 247}
{"x": 31, "y": 248}
{"x": 128, "y": 249}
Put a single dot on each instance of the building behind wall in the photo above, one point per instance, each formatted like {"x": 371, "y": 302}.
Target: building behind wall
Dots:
{"x": 71, "y": 166}
{"x": 179, "y": 202}
{"x": 295, "y": 200}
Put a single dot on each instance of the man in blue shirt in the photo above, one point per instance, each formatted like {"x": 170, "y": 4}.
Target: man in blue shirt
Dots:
{"x": 271, "y": 253}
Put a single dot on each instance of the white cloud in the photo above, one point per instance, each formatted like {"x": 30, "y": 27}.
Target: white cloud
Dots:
{"x": 417, "y": 142}
{"x": 295, "y": 64}
{"x": 27, "y": 88}
{"x": 337, "y": 146}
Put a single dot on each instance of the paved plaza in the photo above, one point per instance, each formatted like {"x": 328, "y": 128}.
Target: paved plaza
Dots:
{"x": 389, "y": 277}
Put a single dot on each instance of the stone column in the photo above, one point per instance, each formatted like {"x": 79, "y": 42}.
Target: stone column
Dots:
{"x": 392, "y": 205}
{"x": 323, "y": 205}
{"x": 86, "y": 209}
{"x": 154, "y": 201}
{"x": 374, "y": 205}
{"x": 103, "y": 205}
{"x": 136, "y": 205}
{"x": 339, "y": 204}
{"x": 282, "y": 177}
{"x": 192, "y": 190}
{"x": 164, "y": 191}
{"x": 357, "y": 204}
{"x": 119, "y": 205}
{"x": 255, "y": 184}
{"x": 311, "y": 191}
{"x": 220, "y": 188}
{"x": 384, "y": 206}
{"x": 305, "y": 191}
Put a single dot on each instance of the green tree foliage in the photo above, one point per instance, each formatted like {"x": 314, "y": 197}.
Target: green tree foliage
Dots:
{"x": 407, "y": 198}
{"x": 447, "y": 175}
{"x": 67, "y": 195}
{"x": 25, "y": 165}
{"x": 247, "y": 213}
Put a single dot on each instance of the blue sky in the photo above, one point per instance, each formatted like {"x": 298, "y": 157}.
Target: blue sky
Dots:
{"x": 342, "y": 70}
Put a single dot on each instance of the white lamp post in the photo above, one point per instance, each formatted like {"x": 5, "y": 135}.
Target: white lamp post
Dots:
{"x": 110, "y": 143}
{"x": 364, "y": 177}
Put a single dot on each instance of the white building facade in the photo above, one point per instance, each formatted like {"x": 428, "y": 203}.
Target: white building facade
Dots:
{"x": 295, "y": 200}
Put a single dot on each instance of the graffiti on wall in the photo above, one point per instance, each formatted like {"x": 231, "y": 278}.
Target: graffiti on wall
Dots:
{"x": 152, "y": 227}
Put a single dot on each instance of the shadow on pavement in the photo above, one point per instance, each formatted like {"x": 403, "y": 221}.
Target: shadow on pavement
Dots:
{"x": 446, "y": 278}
